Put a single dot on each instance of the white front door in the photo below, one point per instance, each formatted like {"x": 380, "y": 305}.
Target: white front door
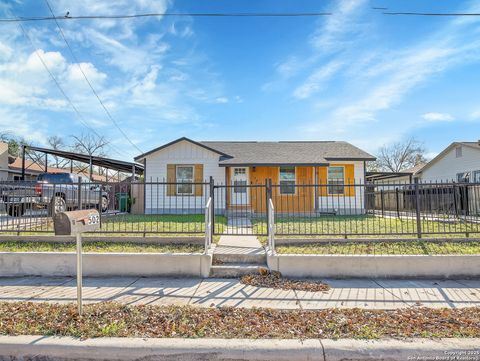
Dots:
{"x": 239, "y": 191}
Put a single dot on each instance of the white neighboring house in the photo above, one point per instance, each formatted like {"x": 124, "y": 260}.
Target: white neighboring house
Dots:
{"x": 459, "y": 162}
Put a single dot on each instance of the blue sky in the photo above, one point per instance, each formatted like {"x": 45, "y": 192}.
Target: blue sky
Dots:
{"x": 357, "y": 75}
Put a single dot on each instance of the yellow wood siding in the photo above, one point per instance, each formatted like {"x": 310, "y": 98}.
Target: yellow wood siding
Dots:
{"x": 171, "y": 178}
{"x": 198, "y": 173}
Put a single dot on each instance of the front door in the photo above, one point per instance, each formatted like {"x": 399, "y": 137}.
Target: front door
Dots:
{"x": 239, "y": 191}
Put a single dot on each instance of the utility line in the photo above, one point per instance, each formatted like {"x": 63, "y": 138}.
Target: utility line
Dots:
{"x": 132, "y": 16}
{"x": 79, "y": 115}
{"x": 430, "y": 14}
{"x": 90, "y": 84}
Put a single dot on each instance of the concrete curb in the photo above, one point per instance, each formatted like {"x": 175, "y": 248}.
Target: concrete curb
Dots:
{"x": 68, "y": 348}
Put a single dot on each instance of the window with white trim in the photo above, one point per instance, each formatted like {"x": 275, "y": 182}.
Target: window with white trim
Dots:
{"x": 336, "y": 179}
{"x": 287, "y": 180}
{"x": 184, "y": 176}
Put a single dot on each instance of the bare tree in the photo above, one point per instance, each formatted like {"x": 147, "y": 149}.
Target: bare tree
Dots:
{"x": 57, "y": 143}
{"x": 400, "y": 156}
{"x": 90, "y": 144}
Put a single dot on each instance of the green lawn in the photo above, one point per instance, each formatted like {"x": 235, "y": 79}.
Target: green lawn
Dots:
{"x": 364, "y": 225}
{"x": 129, "y": 224}
{"x": 365, "y": 248}
{"x": 114, "y": 247}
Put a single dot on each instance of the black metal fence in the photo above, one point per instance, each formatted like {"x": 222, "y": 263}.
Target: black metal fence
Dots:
{"x": 437, "y": 210}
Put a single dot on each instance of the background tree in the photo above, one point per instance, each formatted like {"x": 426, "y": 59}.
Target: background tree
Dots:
{"x": 57, "y": 143}
{"x": 92, "y": 145}
{"x": 399, "y": 156}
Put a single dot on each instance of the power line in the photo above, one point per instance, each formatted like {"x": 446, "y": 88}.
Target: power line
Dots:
{"x": 79, "y": 115}
{"x": 431, "y": 14}
{"x": 132, "y": 16}
{"x": 90, "y": 84}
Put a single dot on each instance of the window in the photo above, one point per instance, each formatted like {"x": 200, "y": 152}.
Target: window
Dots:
{"x": 335, "y": 180}
{"x": 458, "y": 152}
{"x": 240, "y": 186}
{"x": 287, "y": 180}
{"x": 185, "y": 175}
{"x": 463, "y": 177}
{"x": 476, "y": 176}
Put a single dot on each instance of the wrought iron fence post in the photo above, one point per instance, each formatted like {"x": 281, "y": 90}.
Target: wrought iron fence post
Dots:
{"x": 417, "y": 209}
{"x": 267, "y": 206}
{"x": 212, "y": 196}
{"x": 79, "y": 192}
{"x": 397, "y": 201}
{"x": 382, "y": 202}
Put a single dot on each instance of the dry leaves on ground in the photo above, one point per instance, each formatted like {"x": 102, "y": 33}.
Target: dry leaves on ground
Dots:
{"x": 116, "y": 320}
{"x": 275, "y": 280}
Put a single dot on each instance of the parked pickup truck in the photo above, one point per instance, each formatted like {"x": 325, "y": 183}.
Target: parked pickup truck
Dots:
{"x": 57, "y": 192}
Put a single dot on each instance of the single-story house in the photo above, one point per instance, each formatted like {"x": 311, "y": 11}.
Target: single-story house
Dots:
{"x": 241, "y": 169}
{"x": 459, "y": 162}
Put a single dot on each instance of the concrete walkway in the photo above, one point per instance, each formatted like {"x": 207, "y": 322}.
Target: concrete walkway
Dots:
{"x": 363, "y": 293}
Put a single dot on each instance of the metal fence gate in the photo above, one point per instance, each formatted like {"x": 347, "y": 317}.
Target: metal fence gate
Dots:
{"x": 240, "y": 208}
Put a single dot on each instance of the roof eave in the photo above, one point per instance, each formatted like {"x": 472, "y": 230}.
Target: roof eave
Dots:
{"x": 141, "y": 156}
{"x": 250, "y": 164}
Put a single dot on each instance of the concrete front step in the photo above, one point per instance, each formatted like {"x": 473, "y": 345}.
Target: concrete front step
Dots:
{"x": 233, "y": 270}
{"x": 238, "y": 254}
{"x": 239, "y": 258}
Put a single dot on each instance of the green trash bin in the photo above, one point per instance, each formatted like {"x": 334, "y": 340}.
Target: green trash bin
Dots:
{"x": 122, "y": 199}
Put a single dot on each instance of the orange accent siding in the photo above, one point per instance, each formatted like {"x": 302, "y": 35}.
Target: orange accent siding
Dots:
{"x": 301, "y": 201}
{"x": 349, "y": 178}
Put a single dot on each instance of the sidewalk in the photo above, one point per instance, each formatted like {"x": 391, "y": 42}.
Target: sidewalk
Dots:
{"x": 362, "y": 293}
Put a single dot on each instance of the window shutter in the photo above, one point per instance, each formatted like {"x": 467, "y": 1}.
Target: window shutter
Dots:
{"x": 350, "y": 179}
{"x": 171, "y": 178}
{"x": 198, "y": 179}
{"x": 323, "y": 181}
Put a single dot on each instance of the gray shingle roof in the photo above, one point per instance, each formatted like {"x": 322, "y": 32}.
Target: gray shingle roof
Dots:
{"x": 288, "y": 152}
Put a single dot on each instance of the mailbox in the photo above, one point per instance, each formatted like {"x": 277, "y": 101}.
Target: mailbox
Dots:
{"x": 76, "y": 222}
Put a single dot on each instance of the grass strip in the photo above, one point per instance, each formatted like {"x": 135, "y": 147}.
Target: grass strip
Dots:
{"x": 388, "y": 248}
{"x": 107, "y": 247}
{"x": 115, "y": 320}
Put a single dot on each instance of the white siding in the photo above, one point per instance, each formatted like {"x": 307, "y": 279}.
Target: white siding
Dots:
{"x": 346, "y": 205}
{"x": 447, "y": 167}
{"x": 182, "y": 152}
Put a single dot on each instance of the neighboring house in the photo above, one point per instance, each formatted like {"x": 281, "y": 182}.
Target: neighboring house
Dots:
{"x": 459, "y": 162}
{"x": 405, "y": 176}
{"x": 288, "y": 165}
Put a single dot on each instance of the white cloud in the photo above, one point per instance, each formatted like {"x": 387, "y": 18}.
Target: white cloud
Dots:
{"x": 74, "y": 73}
{"x": 221, "y": 100}
{"x": 381, "y": 79}
{"x": 475, "y": 115}
{"x": 317, "y": 80}
{"x": 339, "y": 28}
{"x": 437, "y": 117}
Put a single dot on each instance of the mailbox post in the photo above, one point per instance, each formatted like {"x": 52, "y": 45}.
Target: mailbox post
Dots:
{"x": 74, "y": 223}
